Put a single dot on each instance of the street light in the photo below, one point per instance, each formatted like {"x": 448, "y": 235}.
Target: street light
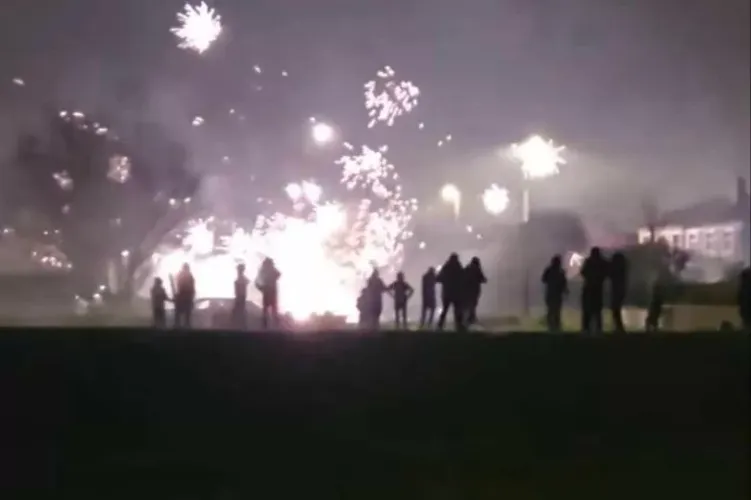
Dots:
{"x": 539, "y": 159}
{"x": 495, "y": 199}
{"x": 451, "y": 194}
{"x": 322, "y": 133}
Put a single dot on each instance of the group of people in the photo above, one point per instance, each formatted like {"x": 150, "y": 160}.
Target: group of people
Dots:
{"x": 596, "y": 271}
{"x": 184, "y": 297}
{"x": 461, "y": 288}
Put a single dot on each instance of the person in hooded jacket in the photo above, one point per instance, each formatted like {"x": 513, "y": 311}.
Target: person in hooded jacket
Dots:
{"x": 267, "y": 282}
{"x": 618, "y": 274}
{"x": 451, "y": 278}
{"x": 239, "y": 314}
{"x": 594, "y": 272}
{"x": 744, "y": 299}
{"x": 556, "y": 288}
{"x": 159, "y": 301}
{"x": 474, "y": 278}
{"x": 428, "y": 298}
{"x": 185, "y": 297}
{"x": 374, "y": 291}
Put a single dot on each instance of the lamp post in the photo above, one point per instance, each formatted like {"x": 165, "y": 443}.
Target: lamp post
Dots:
{"x": 539, "y": 159}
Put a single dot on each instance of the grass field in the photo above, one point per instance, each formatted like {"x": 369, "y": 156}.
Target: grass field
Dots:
{"x": 127, "y": 413}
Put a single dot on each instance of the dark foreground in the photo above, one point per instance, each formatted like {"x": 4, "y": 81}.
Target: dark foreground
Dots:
{"x": 129, "y": 414}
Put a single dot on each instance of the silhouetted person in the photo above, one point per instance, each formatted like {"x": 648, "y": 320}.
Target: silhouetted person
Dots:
{"x": 159, "y": 300}
{"x": 556, "y": 288}
{"x": 744, "y": 298}
{"x": 267, "y": 282}
{"x": 402, "y": 292}
{"x": 185, "y": 297}
{"x": 429, "y": 280}
{"x": 656, "y": 304}
{"x": 362, "y": 308}
{"x": 374, "y": 291}
{"x": 451, "y": 278}
{"x": 474, "y": 278}
{"x": 239, "y": 314}
{"x": 595, "y": 272}
{"x": 618, "y": 285}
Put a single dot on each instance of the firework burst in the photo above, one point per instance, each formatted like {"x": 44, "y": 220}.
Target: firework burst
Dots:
{"x": 386, "y": 99}
{"x": 199, "y": 27}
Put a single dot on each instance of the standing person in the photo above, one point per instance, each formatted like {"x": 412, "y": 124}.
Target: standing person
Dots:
{"x": 474, "y": 278}
{"x": 656, "y": 304}
{"x": 618, "y": 284}
{"x": 374, "y": 291}
{"x": 451, "y": 278}
{"x": 239, "y": 314}
{"x": 744, "y": 298}
{"x": 267, "y": 283}
{"x": 594, "y": 271}
{"x": 362, "y": 308}
{"x": 185, "y": 297}
{"x": 159, "y": 300}
{"x": 556, "y": 288}
{"x": 401, "y": 291}
{"x": 428, "y": 298}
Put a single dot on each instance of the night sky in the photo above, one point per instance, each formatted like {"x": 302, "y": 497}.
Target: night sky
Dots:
{"x": 648, "y": 95}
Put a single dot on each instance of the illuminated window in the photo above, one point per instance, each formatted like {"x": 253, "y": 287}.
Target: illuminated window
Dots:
{"x": 692, "y": 240}
{"x": 676, "y": 241}
{"x": 728, "y": 241}
{"x": 709, "y": 241}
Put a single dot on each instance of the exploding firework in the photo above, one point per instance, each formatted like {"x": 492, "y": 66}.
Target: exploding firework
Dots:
{"x": 539, "y": 158}
{"x": 199, "y": 27}
{"x": 495, "y": 199}
{"x": 324, "y": 250}
{"x": 386, "y": 99}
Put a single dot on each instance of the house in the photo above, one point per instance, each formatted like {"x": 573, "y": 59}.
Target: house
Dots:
{"x": 715, "y": 233}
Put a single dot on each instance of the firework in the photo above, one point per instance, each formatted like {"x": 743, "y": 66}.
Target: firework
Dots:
{"x": 199, "y": 27}
{"x": 495, "y": 199}
{"x": 539, "y": 158}
{"x": 325, "y": 250}
{"x": 386, "y": 99}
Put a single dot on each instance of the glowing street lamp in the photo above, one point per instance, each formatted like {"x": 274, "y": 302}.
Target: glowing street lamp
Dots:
{"x": 451, "y": 195}
{"x": 539, "y": 158}
{"x": 495, "y": 199}
{"x": 322, "y": 133}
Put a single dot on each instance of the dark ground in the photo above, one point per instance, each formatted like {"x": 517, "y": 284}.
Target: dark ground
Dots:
{"x": 131, "y": 414}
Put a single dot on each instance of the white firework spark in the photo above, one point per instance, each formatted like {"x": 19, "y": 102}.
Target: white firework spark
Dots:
{"x": 386, "y": 99}
{"x": 495, "y": 199}
{"x": 199, "y": 27}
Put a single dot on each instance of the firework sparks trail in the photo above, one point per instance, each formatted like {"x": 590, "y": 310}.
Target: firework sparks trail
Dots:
{"x": 199, "y": 27}
{"x": 386, "y": 99}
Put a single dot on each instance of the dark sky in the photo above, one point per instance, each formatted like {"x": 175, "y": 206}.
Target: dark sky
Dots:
{"x": 649, "y": 95}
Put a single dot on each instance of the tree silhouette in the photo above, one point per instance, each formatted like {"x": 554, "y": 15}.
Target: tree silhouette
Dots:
{"x": 107, "y": 201}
